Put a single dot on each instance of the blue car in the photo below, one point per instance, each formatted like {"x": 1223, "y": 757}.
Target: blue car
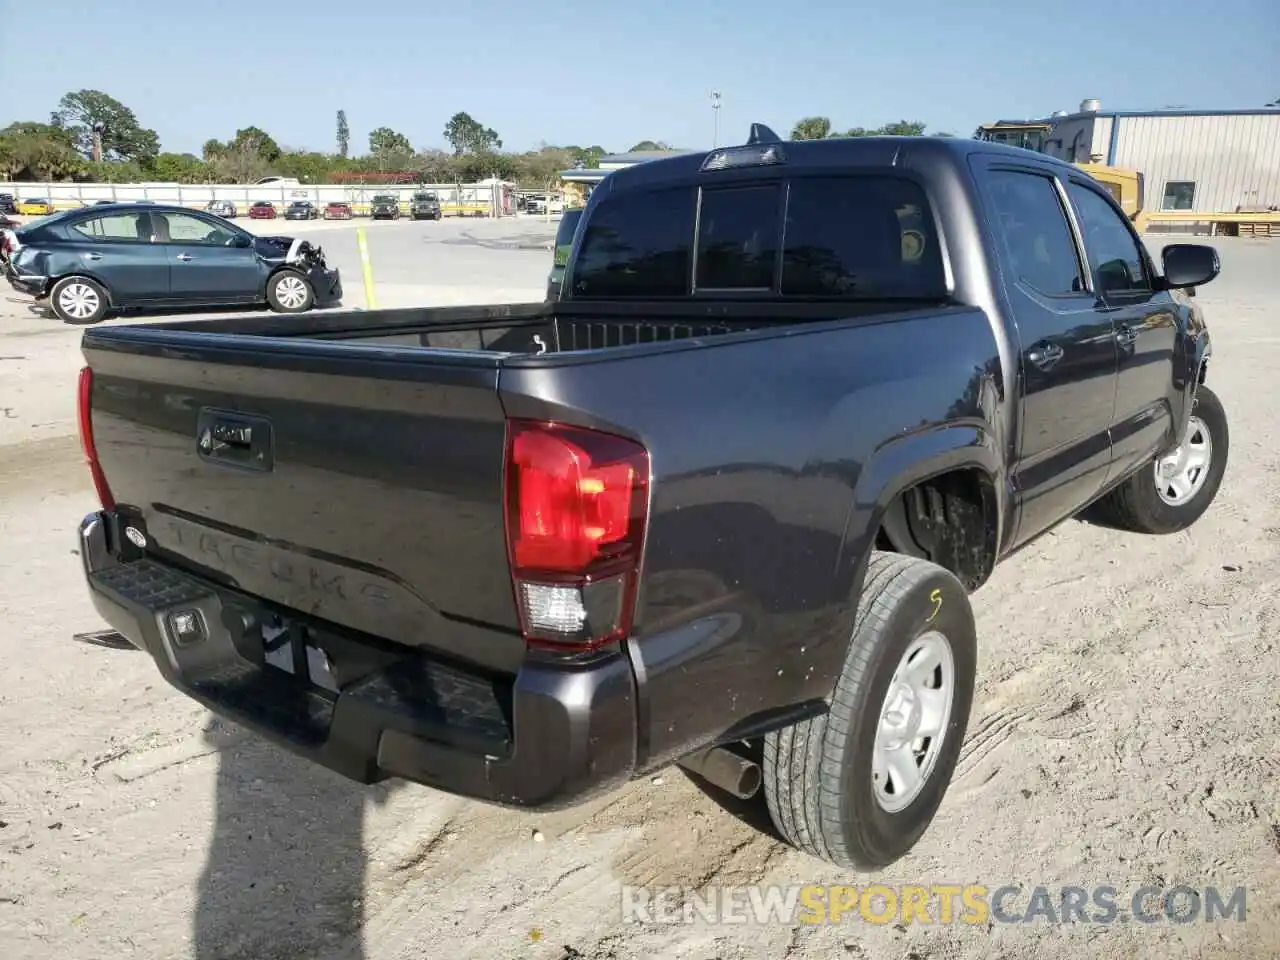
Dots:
{"x": 90, "y": 262}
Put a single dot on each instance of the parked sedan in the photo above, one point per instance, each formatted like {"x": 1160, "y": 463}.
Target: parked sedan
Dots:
{"x": 34, "y": 207}
{"x": 337, "y": 211}
{"x": 262, "y": 210}
{"x": 222, "y": 208}
{"x": 86, "y": 263}
{"x": 301, "y": 210}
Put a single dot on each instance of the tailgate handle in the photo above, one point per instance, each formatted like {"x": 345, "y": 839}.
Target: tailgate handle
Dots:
{"x": 234, "y": 439}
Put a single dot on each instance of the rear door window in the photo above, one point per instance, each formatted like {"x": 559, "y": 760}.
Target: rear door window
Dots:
{"x": 861, "y": 238}
{"x": 135, "y": 227}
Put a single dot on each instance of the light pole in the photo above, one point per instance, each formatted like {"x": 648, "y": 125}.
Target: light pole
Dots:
{"x": 715, "y": 121}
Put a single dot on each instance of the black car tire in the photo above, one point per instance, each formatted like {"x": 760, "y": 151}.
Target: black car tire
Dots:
{"x": 283, "y": 290}
{"x": 91, "y": 289}
{"x": 1137, "y": 504}
{"x": 819, "y": 778}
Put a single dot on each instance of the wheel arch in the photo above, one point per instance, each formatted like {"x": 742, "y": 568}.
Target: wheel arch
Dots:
{"x": 936, "y": 495}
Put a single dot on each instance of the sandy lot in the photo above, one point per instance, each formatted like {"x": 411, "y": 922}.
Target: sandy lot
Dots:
{"x": 1126, "y": 733}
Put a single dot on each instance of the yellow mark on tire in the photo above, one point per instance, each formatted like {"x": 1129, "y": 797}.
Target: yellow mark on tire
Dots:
{"x": 936, "y": 599}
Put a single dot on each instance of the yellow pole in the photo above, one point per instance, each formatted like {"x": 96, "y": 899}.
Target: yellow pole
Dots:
{"x": 366, "y": 267}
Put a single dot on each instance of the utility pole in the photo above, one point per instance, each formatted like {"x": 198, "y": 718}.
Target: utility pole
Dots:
{"x": 715, "y": 121}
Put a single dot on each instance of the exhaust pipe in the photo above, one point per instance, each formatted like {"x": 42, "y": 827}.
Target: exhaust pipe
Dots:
{"x": 725, "y": 769}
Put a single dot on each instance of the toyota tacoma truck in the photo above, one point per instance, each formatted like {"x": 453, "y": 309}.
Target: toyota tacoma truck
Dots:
{"x": 721, "y": 505}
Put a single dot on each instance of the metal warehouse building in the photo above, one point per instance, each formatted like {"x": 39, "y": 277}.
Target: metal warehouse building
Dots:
{"x": 1213, "y": 161}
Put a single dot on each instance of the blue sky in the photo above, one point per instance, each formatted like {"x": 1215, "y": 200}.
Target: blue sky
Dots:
{"x": 614, "y": 73}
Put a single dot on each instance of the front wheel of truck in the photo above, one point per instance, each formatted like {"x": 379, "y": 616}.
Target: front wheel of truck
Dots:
{"x": 859, "y": 785}
{"x": 1172, "y": 493}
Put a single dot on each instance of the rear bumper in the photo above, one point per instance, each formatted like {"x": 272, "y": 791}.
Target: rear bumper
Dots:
{"x": 29, "y": 284}
{"x": 550, "y": 737}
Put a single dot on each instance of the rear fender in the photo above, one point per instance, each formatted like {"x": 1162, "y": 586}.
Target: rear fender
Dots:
{"x": 910, "y": 460}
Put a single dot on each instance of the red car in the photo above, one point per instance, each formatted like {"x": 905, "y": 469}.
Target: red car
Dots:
{"x": 262, "y": 210}
{"x": 337, "y": 211}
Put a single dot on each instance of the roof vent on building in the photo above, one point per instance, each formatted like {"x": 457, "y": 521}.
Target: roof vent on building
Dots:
{"x": 1058, "y": 113}
{"x": 1090, "y": 106}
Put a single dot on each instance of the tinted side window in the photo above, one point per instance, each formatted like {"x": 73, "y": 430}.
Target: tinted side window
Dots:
{"x": 1114, "y": 256}
{"x": 1036, "y": 233}
{"x": 859, "y": 237}
{"x": 117, "y": 226}
{"x": 639, "y": 244}
{"x": 738, "y": 238}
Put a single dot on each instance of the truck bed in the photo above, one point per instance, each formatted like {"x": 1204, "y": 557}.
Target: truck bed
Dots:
{"x": 531, "y": 328}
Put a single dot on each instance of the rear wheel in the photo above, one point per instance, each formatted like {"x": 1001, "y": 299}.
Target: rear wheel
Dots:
{"x": 1172, "y": 494}
{"x": 289, "y": 292}
{"x": 78, "y": 300}
{"x": 859, "y": 785}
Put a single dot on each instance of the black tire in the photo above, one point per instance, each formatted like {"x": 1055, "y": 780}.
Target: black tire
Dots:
{"x": 1137, "y": 505}
{"x": 65, "y": 287}
{"x": 282, "y": 290}
{"x": 818, "y": 777}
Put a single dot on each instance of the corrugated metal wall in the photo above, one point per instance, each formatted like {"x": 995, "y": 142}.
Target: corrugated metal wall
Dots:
{"x": 1234, "y": 161}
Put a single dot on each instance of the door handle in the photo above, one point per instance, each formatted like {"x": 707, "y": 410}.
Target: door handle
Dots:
{"x": 184, "y": 257}
{"x": 93, "y": 256}
{"x": 1126, "y": 336}
{"x": 1045, "y": 355}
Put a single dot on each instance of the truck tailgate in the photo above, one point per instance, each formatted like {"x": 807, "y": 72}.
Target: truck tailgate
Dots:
{"x": 342, "y": 482}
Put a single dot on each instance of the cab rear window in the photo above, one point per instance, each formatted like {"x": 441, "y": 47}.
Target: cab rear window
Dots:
{"x": 842, "y": 237}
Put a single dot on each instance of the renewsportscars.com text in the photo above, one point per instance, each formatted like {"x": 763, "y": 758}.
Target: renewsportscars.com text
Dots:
{"x": 972, "y": 904}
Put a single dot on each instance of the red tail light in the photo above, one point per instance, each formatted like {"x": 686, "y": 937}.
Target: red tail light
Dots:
{"x": 577, "y": 504}
{"x": 86, "y": 441}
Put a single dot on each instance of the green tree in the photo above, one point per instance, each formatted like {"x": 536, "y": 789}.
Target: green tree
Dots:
{"x": 903, "y": 128}
{"x": 648, "y": 146}
{"x": 308, "y": 166}
{"x": 180, "y": 168}
{"x": 117, "y": 171}
{"x": 38, "y": 151}
{"x": 256, "y": 140}
{"x": 467, "y": 135}
{"x": 384, "y": 140}
{"x": 811, "y": 128}
{"x": 344, "y": 135}
{"x": 103, "y": 128}
{"x": 212, "y": 150}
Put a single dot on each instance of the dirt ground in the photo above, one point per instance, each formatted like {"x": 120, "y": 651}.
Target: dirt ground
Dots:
{"x": 1126, "y": 732}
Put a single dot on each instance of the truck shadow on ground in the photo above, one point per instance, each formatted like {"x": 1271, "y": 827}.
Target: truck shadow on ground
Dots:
{"x": 284, "y": 874}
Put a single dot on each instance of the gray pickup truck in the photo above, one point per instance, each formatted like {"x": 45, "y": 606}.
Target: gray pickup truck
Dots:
{"x": 722, "y": 504}
{"x": 424, "y": 206}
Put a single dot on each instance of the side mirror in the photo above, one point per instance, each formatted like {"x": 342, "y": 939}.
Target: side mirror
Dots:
{"x": 1189, "y": 265}
{"x": 242, "y": 240}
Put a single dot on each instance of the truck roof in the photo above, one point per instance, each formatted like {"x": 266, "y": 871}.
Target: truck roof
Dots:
{"x": 832, "y": 152}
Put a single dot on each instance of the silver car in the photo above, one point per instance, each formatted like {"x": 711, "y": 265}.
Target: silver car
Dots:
{"x": 222, "y": 208}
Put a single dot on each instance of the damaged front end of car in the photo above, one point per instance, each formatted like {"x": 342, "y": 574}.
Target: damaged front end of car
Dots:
{"x": 293, "y": 251}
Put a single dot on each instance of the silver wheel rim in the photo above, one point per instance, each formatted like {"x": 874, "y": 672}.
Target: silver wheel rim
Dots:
{"x": 291, "y": 292}
{"x": 913, "y": 721}
{"x": 79, "y": 300}
{"x": 1182, "y": 474}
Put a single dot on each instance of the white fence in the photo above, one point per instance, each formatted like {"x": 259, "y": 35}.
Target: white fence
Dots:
{"x": 489, "y": 198}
